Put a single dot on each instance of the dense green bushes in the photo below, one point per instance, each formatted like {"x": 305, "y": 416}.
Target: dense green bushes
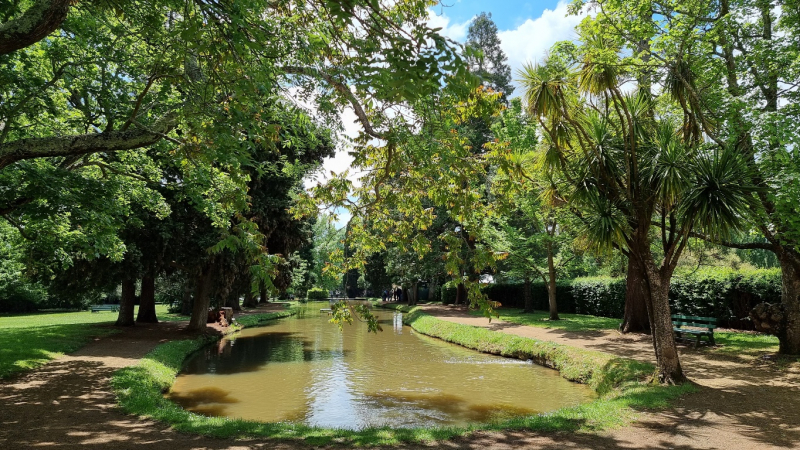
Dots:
{"x": 317, "y": 294}
{"x": 723, "y": 293}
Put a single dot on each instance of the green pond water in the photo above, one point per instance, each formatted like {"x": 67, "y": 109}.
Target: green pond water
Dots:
{"x": 303, "y": 369}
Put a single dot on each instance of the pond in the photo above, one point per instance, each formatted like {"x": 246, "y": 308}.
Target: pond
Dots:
{"x": 303, "y": 369}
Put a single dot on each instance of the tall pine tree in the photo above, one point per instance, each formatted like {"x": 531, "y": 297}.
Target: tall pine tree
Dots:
{"x": 490, "y": 63}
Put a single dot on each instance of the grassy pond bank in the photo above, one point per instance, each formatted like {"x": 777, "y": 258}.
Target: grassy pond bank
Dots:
{"x": 621, "y": 385}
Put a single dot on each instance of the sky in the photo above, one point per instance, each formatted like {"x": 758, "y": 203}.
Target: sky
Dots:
{"x": 526, "y": 30}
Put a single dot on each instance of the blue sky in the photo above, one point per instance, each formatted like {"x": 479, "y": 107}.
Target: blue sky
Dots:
{"x": 507, "y": 14}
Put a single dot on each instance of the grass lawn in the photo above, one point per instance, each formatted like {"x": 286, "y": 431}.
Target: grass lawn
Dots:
{"x": 568, "y": 322}
{"x": 30, "y": 340}
{"x": 728, "y": 342}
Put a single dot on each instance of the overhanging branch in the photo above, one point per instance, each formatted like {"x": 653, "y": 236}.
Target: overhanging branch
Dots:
{"x": 86, "y": 143}
{"x": 38, "y": 21}
{"x": 344, "y": 90}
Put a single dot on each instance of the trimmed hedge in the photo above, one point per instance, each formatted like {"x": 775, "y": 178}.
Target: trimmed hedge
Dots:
{"x": 723, "y": 293}
{"x": 317, "y": 294}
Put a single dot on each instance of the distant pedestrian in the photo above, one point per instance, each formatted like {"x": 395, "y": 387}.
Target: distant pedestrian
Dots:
{"x": 398, "y": 294}
{"x": 385, "y": 295}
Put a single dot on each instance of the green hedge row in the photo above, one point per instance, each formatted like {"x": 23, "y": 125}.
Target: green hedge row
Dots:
{"x": 317, "y": 294}
{"x": 723, "y": 293}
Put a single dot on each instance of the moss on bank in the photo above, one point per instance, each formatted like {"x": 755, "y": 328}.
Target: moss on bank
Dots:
{"x": 140, "y": 390}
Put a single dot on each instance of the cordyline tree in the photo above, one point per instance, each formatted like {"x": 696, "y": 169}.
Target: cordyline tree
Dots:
{"x": 732, "y": 66}
{"x": 623, "y": 164}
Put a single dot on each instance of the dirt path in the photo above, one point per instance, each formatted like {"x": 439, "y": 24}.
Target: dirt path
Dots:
{"x": 68, "y": 403}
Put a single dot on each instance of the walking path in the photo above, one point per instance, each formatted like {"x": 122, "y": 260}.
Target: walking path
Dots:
{"x": 68, "y": 403}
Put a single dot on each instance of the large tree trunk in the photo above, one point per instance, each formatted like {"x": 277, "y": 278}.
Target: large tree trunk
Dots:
{"x": 147, "y": 301}
{"x": 635, "y": 319}
{"x": 250, "y": 300}
{"x": 413, "y": 293}
{"x": 668, "y": 365}
{"x": 186, "y": 302}
{"x": 202, "y": 299}
{"x": 551, "y": 283}
{"x": 263, "y": 295}
{"x": 233, "y": 300}
{"x": 527, "y": 296}
{"x": 461, "y": 294}
{"x": 126, "y": 304}
{"x": 789, "y": 338}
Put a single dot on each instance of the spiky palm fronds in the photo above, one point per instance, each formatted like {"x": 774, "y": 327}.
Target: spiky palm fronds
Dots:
{"x": 719, "y": 193}
{"x": 544, "y": 93}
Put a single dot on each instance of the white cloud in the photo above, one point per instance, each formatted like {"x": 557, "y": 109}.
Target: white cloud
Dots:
{"x": 530, "y": 41}
{"x": 456, "y": 31}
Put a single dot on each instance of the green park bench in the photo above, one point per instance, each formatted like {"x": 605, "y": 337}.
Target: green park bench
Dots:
{"x": 98, "y": 308}
{"x": 701, "y": 326}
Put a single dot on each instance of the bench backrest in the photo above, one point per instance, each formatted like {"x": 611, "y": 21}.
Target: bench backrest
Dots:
{"x": 680, "y": 320}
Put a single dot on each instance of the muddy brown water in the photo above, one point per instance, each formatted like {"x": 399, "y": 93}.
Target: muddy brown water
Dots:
{"x": 303, "y": 369}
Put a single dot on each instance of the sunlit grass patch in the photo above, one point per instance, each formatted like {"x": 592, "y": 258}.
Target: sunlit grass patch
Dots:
{"x": 31, "y": 340}
{"x": 568, "y": 322}
{"x": 28, "y": 348}
{"x": 745, "y": 343}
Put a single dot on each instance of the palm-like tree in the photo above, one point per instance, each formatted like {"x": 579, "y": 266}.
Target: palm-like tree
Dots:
{"x": 624, "y": 168}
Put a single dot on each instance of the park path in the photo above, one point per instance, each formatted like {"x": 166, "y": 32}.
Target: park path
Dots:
{"x": 69, "y": 404}
{"x": 744, "y": 402}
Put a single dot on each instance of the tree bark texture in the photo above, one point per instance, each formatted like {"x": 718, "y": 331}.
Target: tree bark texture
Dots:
{"x": 126, "y": 303}
{"x": 233, "y": 300}
{"x": 202, "y": 299}
{"x": 413, "y": 293}
{"x": 790, "y": 299}
{"x": 147, "y": 301}
{"x": 36, "y": 23}
{"x": 83, "y": 144}
{"x": 186, "y": 302}
{"x": 668, "y": 363}
{"x": 461, "y": 294}
{"x": 635, "y": 319}
{"x": 551, "y": 283}
{"x": 250, "y": 300}
{"x": 528, "y": 296}
{"x": 263, "y": 295}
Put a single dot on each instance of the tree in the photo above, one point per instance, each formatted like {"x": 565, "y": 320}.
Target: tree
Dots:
{"x": 731, "y": 65}
{"x": 623, "y": 168}
{"x": 531, "y": 233}
{"x": 484, "y": 56}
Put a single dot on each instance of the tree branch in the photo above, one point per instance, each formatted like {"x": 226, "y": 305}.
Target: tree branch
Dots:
{"x": 86, "y": 143}
{"x": 344, "y": 90}
{"x": 41, "y": 19}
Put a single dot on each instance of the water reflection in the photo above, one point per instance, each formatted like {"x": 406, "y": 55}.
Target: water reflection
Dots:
{"x": 305, "y": 370}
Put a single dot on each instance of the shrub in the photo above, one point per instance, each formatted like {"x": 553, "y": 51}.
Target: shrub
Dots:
{"x": 599, "y": 296}
{"x": 317, "y": 294}
{"x": 723, "y": 293}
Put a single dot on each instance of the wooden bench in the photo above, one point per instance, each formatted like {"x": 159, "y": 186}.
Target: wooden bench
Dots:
{"x": 98, "y": 308}
{"x": 702, "y": 326}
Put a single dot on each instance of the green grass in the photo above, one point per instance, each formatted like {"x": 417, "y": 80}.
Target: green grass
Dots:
{"x": 752, "y": 344}
{"x": 31, "y": 340}
{"x": 729, "y": 342}
{"x": 568, "y": 322}
{"x": 621, "y": 384}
